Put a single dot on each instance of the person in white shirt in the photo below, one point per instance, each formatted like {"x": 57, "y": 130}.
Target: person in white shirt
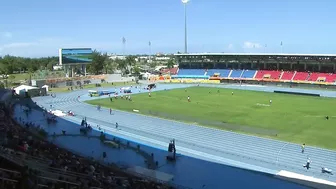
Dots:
{"x": 326, "y": 170}
{"x": 307, "y": 164}
{"x": 188, "y": 98}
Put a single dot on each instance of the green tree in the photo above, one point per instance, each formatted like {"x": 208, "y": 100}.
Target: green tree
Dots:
{"x": 97, "y": 64}
{"x": 130, "y": 62}
{"x": 121, "y": 65}
{"x": 50, "y": 66}
{"x": 13, "y": 64}
{"x": 153, "y": 64}
{"x": 136, "y": 70}
{"x": 170, "y": 63}
{"x": 2, "y": 85}
{"x": 110, "y": 66}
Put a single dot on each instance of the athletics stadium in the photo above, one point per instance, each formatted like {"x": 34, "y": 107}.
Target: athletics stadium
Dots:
{"x": 237, "y": 120}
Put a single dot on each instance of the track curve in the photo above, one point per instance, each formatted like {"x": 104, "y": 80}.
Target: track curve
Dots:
{"x": 206, "y": 143}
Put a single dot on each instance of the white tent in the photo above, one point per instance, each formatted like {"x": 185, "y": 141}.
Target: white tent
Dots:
{"x": 46, "y": 87}
{"x": 24, "y": 88}
{"x": 125, "y": 88}
{"x": 146, "y": 75}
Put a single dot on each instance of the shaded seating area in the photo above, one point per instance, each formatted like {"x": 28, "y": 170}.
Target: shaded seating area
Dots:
{"x": 217, "y": 74}
{"x": 28, "y": 161}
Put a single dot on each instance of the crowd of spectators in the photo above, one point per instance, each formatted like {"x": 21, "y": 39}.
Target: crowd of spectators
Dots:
{"x": 28, "y": 161}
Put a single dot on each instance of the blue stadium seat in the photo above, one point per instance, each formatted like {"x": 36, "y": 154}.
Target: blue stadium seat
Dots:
{"x": 236, "y": 73}
{"x": 222, "y": 72}
{"x": 249, "y": 74}
{"x": 191, "y": 72}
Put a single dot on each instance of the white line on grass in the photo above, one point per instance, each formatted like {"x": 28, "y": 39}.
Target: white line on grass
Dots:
{"x": 267, "y": 105}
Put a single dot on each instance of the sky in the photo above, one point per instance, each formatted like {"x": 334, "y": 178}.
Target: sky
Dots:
{"x": 39, "y": 28}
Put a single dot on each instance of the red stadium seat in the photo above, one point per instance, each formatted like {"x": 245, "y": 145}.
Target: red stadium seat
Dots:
{"x": 287, "y": 76}
{"x": 268, "y": 74}
{"x": 171, "y": 71}
{"x": 322, "y": 77}
{"x": 301, "y": 76}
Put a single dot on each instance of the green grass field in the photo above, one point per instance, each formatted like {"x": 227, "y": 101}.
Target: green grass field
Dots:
{"x": 293, "y": 118}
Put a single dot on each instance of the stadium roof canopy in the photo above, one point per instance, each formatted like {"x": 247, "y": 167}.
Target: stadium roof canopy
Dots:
{"x": 252, "y": 54}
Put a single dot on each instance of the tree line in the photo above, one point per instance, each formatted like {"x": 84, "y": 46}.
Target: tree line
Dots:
{"x": 13, "y": 64}
{"x": 101, "y": 63}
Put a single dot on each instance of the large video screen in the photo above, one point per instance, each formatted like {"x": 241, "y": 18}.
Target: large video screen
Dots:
{"x": 76, "y": 56}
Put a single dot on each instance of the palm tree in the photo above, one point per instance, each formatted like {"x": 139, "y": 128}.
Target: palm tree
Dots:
{"x": 110, "y": 66}
{"x": 136, "y": 70}
{"x": 170, "y": 63}
{"x": 130, "y": 62}
{"x": 121, "y": 65}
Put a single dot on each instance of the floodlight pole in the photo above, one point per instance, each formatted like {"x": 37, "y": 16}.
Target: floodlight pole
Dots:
{"x": 185, "y": 27}
{"x": 124, "y": 43}
{"x": 150, "y": 51}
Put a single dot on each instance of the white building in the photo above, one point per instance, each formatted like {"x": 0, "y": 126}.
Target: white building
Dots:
{"x": 115, "y": 57}
{"x": 162, "y": 58}
{"x": 57, "y": 67}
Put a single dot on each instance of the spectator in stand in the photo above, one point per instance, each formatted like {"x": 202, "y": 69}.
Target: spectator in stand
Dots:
{"x": 21, "y": 143}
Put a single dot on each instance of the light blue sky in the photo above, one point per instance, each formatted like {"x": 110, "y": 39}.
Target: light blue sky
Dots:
{"x": 40, "y": 27}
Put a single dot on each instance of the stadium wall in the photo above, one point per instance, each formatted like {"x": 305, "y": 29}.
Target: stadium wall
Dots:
{"x": 280, "y": 84}
{"x": 307, "y": 83}
{"x": 297, "y": 93}
{"x": 268, "y": 83}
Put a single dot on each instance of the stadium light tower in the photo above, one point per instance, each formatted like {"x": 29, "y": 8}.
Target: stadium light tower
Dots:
{"x": 150, "y": 51}
{"x": 185, "y": 2}
{"x": 124, "y": 44}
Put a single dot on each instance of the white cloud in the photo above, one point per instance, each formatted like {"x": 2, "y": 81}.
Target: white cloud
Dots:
{"x": 230, "y": 46}
{"x": 251, "y": 45}
{"x": 6, "y": 34}
{"x": 16, "y": 45}
{"x": 48, "y": 47}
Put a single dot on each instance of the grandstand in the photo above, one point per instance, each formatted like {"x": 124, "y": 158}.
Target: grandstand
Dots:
{"x": 296, "y": 68}
{"x": 28, "y": 160}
